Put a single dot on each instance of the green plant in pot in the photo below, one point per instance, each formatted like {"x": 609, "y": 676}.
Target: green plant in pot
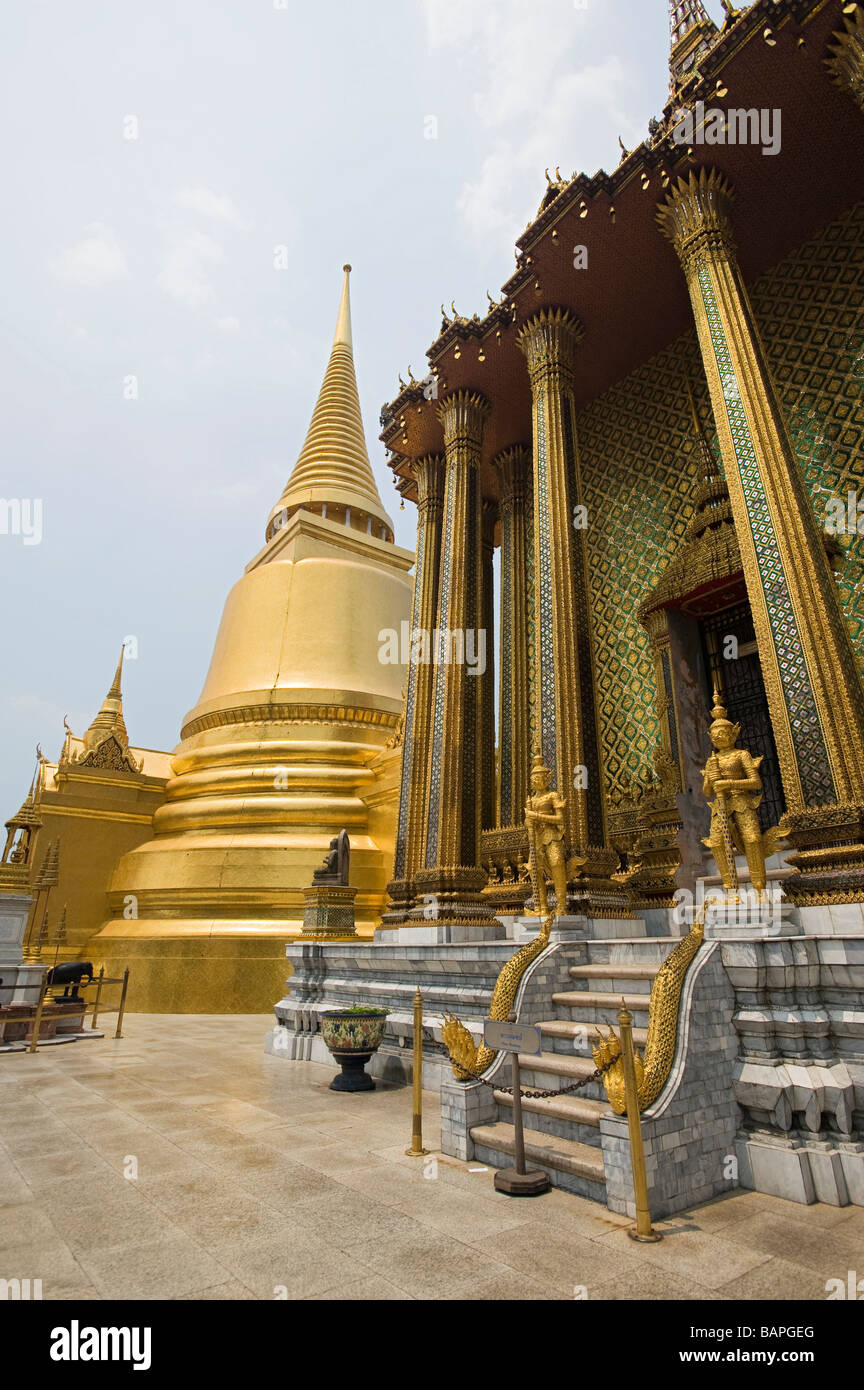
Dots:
{"x": 352, "y": 1035}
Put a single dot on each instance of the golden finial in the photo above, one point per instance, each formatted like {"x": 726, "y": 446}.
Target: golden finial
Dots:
{"x": 538, "y": 763}
{"x": 624, "y": 150}
{"x": 558, "y": 173}
{"x": 347, "y": 269}
{"x": 402, "y": 383}
{"x": 548, "y": 180}
{"x": 115, "y": 692}
{"x": 453, "y": 309}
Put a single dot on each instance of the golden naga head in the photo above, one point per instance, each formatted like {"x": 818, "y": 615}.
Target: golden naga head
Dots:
{"x": 724, "y": 734}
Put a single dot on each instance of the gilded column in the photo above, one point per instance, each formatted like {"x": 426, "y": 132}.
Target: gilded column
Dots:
{"x": 451, "y": 883}
{"x": 514, "y": 740}
{"x": 845, "y": 60}
{"x": 488, "y": 798}
{"x": 564, "y": 678}
{"x": 811, "y": 675}
{"x": 414, "y": 790}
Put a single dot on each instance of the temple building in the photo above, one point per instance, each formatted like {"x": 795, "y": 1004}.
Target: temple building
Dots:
{"x": 657, "y": 424}
{"x": 189, "y": 868}
{"x": 82, "y": 814}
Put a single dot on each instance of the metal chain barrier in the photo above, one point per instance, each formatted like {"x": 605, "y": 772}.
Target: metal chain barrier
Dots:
{"x": 596, "y": 1075}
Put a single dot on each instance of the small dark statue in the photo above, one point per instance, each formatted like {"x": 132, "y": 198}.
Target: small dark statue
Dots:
{"x": 71, "y": 973}
{"x": 335, "y": 867}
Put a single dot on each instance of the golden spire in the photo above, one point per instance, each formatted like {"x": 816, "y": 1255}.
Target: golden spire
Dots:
{"x": 109, "y": 720}
{"x": 48, "y": 875}
{"x": 333, "y": 469}
{"x": 108, "y": 729}
{"x": 29, "y": 812}
{"x": 693, "y": 31}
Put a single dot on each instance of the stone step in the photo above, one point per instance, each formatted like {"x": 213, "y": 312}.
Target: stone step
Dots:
{"x": 615, "y": 979}
{"x": 573, "y": 1110}
{"x": 651, "y": 950}
{"x": 603, "y": 1002}
{"x": 552, "y": 1070}
{"x": 555, "y": 1064}
{"x": 561, "y": 1032}
{"x": 614, "y": 970}
{"x": 573, "y": 1166}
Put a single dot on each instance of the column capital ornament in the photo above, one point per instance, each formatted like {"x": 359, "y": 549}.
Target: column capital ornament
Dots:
{"x": 462, "y": 416}
{"x": 845, "y": 60}
{"x": 429, "y": 477}
{"x": 549, "y": 341}
{"x": 513, "y": 467}
{"x": 696, "y": 215}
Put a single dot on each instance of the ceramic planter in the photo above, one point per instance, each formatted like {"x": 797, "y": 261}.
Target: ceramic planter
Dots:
{"x": 352, "y": 1038}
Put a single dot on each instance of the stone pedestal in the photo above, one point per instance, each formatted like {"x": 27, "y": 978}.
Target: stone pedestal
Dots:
{"x": 20, "y": 983}
{"x": 328, "y": 913}
{"x": 14, "y": 910}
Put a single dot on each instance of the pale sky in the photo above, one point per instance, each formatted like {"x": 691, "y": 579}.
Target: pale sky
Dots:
{"x": 257, "y": 125}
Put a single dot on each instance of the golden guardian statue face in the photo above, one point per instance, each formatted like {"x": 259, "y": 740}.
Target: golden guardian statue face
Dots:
{"x": 724, "y": 734}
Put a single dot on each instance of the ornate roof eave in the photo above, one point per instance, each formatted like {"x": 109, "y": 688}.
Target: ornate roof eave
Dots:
{"x": 462, "y": 330}
{"x": 652, "y": 154}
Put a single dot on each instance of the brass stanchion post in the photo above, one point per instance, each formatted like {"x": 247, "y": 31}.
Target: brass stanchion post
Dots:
{"x": 37, "y": 1022}
{"x": 118, "y": 1034}
{"x": 643, "y": 1229}
{"x": 99, "y": 980}
{"x": 417, "y": 1150}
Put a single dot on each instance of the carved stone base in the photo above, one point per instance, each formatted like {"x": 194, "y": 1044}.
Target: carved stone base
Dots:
{"x": 328, "y": 913}
{"x": 828, "y": 854}
{"x": 594, "y": 892}
{"x": 400, "y": 896}
{"x": 747, "y": 915}
{"x": 448, "y": 896}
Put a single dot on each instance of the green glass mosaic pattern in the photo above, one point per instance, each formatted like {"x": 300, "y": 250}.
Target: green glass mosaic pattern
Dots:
{"x": 810, "y": 752}
{"x": 639, "y": 465}
{"x": 811, "y": 308}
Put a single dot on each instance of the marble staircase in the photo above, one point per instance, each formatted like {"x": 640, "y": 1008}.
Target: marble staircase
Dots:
{"x": 562, "y": 1133}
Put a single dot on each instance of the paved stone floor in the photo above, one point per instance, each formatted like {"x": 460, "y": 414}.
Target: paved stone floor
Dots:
{"x": 256, "y": 1181}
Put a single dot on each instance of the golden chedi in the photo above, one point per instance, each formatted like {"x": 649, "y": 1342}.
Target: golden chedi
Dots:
{"x": 288, "y": 744}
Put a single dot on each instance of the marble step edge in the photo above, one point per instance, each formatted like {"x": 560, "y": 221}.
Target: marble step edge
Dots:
{"x": 565, "y": 1155}
{"x": 601, "y": 999}
{"x": 567, "y": 1028}
{"x": 558, "y": 1064}
{"x": 572, "y": 1109}
{"x": 614, "y": 970}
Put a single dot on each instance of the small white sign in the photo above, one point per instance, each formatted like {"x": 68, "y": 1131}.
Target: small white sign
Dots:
{"x": 513, "y": 1037}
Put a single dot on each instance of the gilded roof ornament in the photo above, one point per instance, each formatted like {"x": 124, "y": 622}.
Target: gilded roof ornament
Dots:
{"x": 106, "y": 742}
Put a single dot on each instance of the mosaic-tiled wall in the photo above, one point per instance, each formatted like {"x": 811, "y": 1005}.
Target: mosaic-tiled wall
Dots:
{"x": 639, "y": 464}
